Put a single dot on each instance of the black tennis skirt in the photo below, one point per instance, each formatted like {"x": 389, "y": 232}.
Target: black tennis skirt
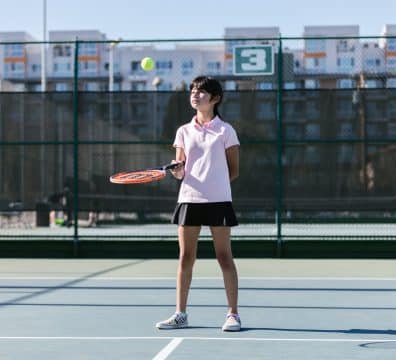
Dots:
{"x": 209, "y": 214}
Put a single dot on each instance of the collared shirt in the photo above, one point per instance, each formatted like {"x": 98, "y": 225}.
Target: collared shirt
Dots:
{"x": 206, "y": 176}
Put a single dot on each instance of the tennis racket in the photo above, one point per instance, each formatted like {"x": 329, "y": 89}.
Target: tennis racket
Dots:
{"x": 142, "y": 176}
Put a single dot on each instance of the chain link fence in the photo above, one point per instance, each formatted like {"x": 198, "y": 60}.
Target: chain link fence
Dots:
{"x": 316, "y": 118}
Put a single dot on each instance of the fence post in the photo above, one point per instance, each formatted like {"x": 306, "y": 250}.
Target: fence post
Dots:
{"x": 279, "y": 167}
{"x": 75, "y": 150}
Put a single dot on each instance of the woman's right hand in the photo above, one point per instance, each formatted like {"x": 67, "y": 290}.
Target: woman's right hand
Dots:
{"x": 178, "y": 171}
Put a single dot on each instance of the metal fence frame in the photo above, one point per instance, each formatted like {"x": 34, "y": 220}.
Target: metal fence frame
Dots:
{"x": 280, "y": 142}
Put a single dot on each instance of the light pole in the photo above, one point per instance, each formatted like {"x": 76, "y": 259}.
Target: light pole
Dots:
{"x": 113, "y": 44}
{"x": 43, "y": 48}
{"x": 359, "y": 102}
{"x": 156, "y": 83}
{"x": 43, "y": 172}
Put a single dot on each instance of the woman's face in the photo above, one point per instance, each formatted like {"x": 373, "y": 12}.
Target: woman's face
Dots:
{"x": 201, "y": 100}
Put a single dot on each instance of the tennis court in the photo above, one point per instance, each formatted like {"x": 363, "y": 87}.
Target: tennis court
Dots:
{"x": 106, "y": 309}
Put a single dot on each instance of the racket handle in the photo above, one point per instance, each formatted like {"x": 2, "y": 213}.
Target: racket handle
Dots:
{"x": 172, "y": 166}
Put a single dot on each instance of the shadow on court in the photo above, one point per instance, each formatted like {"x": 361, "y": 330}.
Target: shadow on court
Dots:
{"x": 326, "y": 331}
{"x": 67, "y": 285}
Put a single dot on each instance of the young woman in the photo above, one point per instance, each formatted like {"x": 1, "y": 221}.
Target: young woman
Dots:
{"x": 207, "y": 149}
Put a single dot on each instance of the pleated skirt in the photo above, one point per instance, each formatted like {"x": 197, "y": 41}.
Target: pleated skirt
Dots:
{"x": 208, "y": 214}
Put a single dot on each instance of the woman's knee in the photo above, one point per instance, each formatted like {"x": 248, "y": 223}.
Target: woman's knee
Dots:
{"x": 186, "y": 259}
{"x": 225, "y": 260}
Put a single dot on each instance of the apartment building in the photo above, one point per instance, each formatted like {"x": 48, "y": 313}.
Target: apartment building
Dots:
{"x": 175, "y": 66}
{"x": 331, "y": 50}
{"x": 92, "y": 60}
{"x": 389, "y": 48}
{"x": 19, "y": 60}
{"x": 328, "y": 57}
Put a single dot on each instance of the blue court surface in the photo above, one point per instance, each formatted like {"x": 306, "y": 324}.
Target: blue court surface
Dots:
{"x": 79, "y": 309}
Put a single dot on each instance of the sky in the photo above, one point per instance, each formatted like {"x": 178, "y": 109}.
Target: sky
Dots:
{"x": 192, "y": 19}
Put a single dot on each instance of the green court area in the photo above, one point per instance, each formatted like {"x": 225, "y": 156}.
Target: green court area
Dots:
{"x": 290, "y": 309}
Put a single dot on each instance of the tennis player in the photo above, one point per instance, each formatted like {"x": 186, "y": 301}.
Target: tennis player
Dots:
{"x": 209, "y": 149}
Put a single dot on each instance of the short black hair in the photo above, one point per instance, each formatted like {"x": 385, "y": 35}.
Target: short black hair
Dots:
{"x": 210, "y": 85}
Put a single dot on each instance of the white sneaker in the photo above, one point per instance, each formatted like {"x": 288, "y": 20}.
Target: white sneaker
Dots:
{"x": 176, "y": 321}
{"x": 232, "y": 323}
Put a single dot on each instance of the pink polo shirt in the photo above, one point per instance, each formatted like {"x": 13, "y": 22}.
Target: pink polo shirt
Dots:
{"x": 206, "y": 176}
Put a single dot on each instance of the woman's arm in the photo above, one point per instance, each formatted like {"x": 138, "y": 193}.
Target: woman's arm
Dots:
{"x": 178, "y": 172}
{"x": 232, "y": 154}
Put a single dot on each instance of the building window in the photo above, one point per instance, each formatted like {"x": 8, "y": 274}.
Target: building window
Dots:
{"x": 345, "y": 131}
{"x": 36, "y": 87}
{"x": 345, "y": 45}
{"x": 36, "y": 68}
{"x": 164, "y": 86}
{"x": 312, "y": 110}
{"x": 62, "y": 68}
{"x": 372, "y": 63}
{"x": 163, "y": 67}
{"x": 61, "y": 86}
{"x": 392, "y": 108}
{"x": 213, "y": 67}
{"x": 315, "y": 45}
{"x": 91, "y": 86}
{"x": 187, "y": 67}
{"x": 346, "y": 84}
{"x": 315, "y": 64}
{"x": 311, "y": 84}
{"x": 289, "y": 86}
{"x": 312, "y": 155}
{"x": 138, "y": 85}
{"x": 346, "y": 154}
{"x": 230, "y": 85}
{"x": 392, "y": 130}
{"x": 373, "y": 131}
{"x": 391, "y": 83}
{"x": 87, "y": 67}
{"x": 370, "y": 84}
{"x": 344, "y": 109}
{"x": 391, "y": 44}
{"x": 14, "y": 69}
{"x": 293, "y": 132}
{"x": 375, "y": 110}
{"x": 14, "y": 50}
{"x": 312, "y": 131}
{"x": 345, "y": 63}
{"x": 62, "y": 51}
{"x": 85, "y": 49}
{"x": 391, "y": 62}
{"x": 232, "y": 111}
{"x": 136, "y": 69}
{"x": 265, "y": 86}
{"x": 266, "y": 111}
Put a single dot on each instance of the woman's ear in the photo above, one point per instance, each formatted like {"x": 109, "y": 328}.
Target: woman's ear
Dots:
{"x": 215, "y": 98}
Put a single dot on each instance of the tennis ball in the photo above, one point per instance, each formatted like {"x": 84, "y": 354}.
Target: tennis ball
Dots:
{"x": 147, "y": 64}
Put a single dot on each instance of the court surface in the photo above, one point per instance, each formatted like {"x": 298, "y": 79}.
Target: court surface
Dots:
{"x": 106, "y": 309}
{"x": 243, "y": 230}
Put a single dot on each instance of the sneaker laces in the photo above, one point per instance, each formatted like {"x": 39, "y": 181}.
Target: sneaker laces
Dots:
{"x": 177, "y": 318}
{"x": 234, "y": 316}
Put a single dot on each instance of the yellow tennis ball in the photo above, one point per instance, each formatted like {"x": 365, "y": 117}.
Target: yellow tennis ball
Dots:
{"x": 147, "y": 64}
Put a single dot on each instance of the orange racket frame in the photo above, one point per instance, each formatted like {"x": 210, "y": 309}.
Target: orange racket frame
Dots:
{"x": 142, "y": 176}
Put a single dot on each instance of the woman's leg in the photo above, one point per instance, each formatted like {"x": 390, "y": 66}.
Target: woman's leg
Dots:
{"x": 188, "y": 239}
{"x": 222, "y": 245}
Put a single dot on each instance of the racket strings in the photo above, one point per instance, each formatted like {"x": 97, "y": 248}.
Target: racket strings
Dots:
{"x": 138, "y": 176}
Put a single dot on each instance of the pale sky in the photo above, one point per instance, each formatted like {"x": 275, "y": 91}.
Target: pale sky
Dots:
{"x": 192, "y": 19}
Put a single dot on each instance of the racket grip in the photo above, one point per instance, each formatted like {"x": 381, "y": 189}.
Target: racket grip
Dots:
{"x": 172, "y": 166}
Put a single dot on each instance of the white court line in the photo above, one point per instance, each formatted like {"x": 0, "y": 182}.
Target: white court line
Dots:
{"x": 128, "y": 338}
{"x": 154, "y": 278}
{"x": 168, "y": 349}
